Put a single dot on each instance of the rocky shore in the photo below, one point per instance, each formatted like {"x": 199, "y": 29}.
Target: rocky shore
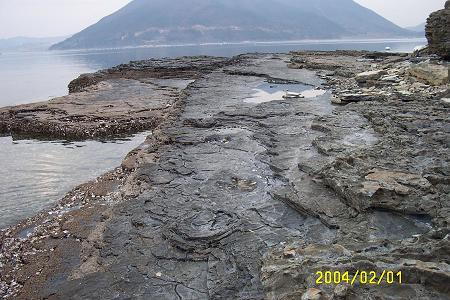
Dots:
{"x": 235, "y": 197}
{"x": 122, "y": 100}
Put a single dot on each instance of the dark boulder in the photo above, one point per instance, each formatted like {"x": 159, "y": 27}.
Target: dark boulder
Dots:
{"x": 438, "y": 32}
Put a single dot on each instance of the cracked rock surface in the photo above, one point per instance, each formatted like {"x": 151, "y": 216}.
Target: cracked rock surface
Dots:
{"x": 231, "y": 199}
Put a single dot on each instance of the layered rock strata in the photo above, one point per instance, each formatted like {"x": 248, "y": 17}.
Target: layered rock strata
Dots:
{"x": 238, "y": 199}
{"x": 437, "y": 32}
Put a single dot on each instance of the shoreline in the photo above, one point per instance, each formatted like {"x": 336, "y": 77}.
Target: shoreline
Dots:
{"x": 95, "y": 112}
{"x": 324, "y": 41}
{"x": 343, "y": 150}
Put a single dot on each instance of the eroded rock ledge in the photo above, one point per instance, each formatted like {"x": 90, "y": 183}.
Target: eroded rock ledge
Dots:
{"x": 118, "y": 101}
{"x": 234, "y": 199}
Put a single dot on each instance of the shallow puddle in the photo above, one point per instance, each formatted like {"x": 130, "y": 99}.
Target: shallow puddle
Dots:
{"x": 360, "y": 137}
{"x": 34, "y": 175}
{"x": 313, "y": 93}
{"x": 267, "y": 92}
{"x": 389, "y": 225}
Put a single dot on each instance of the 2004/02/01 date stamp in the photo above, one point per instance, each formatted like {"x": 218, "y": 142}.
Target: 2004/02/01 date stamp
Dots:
{"x": 358, "y": 277}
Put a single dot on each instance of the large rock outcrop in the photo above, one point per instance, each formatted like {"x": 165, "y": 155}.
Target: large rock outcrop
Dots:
{"x": 438, "y": 32}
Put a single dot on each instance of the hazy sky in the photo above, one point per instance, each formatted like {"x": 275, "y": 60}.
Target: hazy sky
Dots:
{"x": 403, "y": 12}
{"x": 64, "y": 17}
{"x": 42, "y": 18}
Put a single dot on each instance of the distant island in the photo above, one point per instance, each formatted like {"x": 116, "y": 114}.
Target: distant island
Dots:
{"x": 418, "y": 28}
{"x": 28, "y": 43}
{"x": 144, "y": 22}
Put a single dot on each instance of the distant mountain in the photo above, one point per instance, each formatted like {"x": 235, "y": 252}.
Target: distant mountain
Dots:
{"x": 28, "y": 43}
{"x": 149, "y": 22}
{"x": 418, "y": 28}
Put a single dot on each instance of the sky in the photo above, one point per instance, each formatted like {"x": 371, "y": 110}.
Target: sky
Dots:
{"x": 52, "y": 18}
{"x": 403, "y": 12}
{"x": 43, "y": 18}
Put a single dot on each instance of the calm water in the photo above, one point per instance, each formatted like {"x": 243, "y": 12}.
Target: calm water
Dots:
{"x": 36, "y": 174}
{"x": 33, "y": 76}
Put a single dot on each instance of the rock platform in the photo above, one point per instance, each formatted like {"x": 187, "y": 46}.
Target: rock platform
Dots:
{"x": 232, "y": 199}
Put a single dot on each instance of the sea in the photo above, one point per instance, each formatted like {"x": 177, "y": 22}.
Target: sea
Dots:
{"x": 35, "y": 174}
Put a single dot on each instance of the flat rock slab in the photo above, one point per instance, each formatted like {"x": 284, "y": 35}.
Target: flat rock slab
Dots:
{"x": 432, "y": 74}
{"x": 108, "y": 108}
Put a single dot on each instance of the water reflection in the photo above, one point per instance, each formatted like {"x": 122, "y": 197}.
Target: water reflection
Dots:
{"x": 266, "y": 92}
{"x": 313, "y": 93}
{"x": 36, "y": 174}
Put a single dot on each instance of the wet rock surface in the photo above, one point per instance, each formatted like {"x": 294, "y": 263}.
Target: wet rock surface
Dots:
{"x": 381, "y": 156}
{"x": 183, "y": 67}
{"x": 231, "y": 199}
